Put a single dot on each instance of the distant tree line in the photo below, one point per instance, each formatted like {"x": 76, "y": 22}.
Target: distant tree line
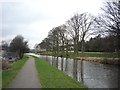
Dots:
{"x": 73, "y": 35}
{"x": 100, "y": 44}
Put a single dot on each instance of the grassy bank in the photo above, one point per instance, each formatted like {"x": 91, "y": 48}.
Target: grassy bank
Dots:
{"x": 51, "y": 77}
{"x": 0, "y": 79}
{"x": 86, "y": 54}
{"x": 8, "y": 75}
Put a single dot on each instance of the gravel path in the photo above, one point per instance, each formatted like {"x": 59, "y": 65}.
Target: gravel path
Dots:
{"x": 27, "y": 77}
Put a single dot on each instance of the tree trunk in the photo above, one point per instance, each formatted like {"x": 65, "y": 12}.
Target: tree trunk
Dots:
{"x": 82, "y": 46}
{"x": 67, "y": 48}
{"x": 66, "y": 65}
{"x": 75, "y": 47}
{"x": 21, "y": 55}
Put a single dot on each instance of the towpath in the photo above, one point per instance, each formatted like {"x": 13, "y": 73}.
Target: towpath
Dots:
{"x": 27, "y": 77}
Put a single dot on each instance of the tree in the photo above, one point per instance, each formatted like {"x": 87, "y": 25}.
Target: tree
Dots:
{"x": 79, "y": 28}
{"x": 56, "y": 39}
{"x": 5, "y": 45}
{"x": 19, "y": 46}
{"x": 86, "y": 28}
{"x": 54, "y": 34}
{"x": 73, "y": 28}
{"x": 45, "y": 44}
{"x": 109, "y": 21}
{"x": 63, "y": 39}
{"x": 95, "y": 44}
{"x": 100, "y": 44}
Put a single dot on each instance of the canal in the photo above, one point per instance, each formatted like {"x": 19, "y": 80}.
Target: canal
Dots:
{"x": 92, "y": 74}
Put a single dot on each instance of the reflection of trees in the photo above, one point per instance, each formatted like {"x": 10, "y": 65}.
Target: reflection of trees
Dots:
{"x": 66, "y": 64}
{"x": 64, "y": 67}
{"x": 81, "y": 70}
{"x": 62, "y": 63}
{"x": 75, "y": 69}
{"x": 56, "y": 64}
{"x": 118, "y": 78}
{"x": 53, "y": 60}
{"x": 47, "y": 59}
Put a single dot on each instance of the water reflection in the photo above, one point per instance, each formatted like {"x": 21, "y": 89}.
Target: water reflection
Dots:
{"x": 92, "y": 74}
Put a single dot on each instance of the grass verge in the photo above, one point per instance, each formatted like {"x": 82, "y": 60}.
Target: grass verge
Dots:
{"x": 86, "y": 54}
{"x": 0, "y": 79}
{"x": 8, "y": 75}
{"x": 51, "y": 77}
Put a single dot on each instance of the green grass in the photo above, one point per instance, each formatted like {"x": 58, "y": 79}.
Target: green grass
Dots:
{"x": 51, "y": 77}
{"x": 0, "y": 79}
{"x": 87, "y": 54}
{"x": 8, "y": 75}
{"x": 99, "y": 54}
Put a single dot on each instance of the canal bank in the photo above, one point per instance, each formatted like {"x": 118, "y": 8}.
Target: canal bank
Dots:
{"x": 50, "y": 77}
{"x": 115, "y": 61}
{"x": 100, "y": 57}
{"x": 92, "y": 74}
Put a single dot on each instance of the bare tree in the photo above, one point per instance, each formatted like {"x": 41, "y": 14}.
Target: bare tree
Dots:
{"x": 73, "y": 28}
{"x": 62, "y": 38}
{"x": 57, "y": 39}
{"x": 54, "y": 39}
{"x": 86, "y": 28}
{"x": 109, "y": 21}
{"x": 55, "y": 33}
{"x": 79, "y": 28}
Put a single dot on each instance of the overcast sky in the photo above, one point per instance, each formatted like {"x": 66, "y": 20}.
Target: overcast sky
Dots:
{"x": 33, "y": 19}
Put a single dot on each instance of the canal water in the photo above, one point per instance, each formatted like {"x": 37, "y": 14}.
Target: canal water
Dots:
{"x": 92, "y": 74}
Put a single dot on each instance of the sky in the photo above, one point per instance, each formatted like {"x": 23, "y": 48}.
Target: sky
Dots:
{"x": 33, "y": 19}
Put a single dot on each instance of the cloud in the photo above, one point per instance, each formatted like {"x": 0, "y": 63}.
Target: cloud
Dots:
{"x": 35, "y": 18}
{"x": 16, "y": 17}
